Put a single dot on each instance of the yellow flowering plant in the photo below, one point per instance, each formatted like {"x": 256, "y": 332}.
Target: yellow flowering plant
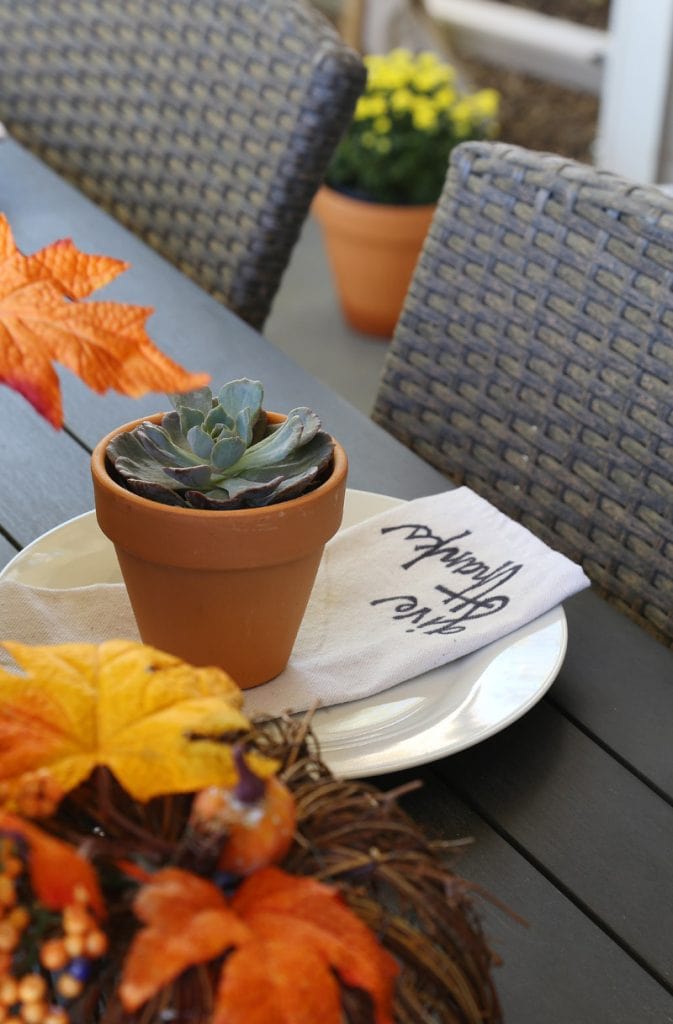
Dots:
{"x": 410, "y": 116}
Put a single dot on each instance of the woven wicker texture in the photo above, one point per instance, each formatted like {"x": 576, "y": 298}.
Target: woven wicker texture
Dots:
{"x": 205, "y": 126}
{"x": 533, "y": 361}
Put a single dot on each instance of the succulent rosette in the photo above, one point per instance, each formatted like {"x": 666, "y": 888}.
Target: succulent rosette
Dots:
{"x": 223, "y": 452}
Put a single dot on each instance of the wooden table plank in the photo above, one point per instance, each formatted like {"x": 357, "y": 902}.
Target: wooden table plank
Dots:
{"x": 561, "y": 968}
{"x": 621, "y": 691}
{"x": 7, "y": 551}
{"x": 601, "y": 833}
{"x": 46, "y": 477}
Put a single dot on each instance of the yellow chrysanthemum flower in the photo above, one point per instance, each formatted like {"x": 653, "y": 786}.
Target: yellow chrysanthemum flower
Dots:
{"x": 370, "y": 107}
{"x": 424, "y": 115}
{"x": 401, "y": 101}
{"x": 428, "y": 79}
{"x": 486, "y": 103}
{"x": 444, "y": 98}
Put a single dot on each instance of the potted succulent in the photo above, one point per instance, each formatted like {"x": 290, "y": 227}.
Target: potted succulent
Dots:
{"x": 165, "y": 505}
{"x": 219, "y": 512}
{"x": 386, "y": 176}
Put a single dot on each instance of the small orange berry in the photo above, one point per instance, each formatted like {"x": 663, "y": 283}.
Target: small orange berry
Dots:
{"x": 12, "y": 866}
{"x": 76, "y": 920}
{"x": 68, "y": 986}
{"x": 95, "y": 944}
{"x": 80, "y": 894}
{"x": 34, "y": 1013}
{"x": 56, "y": 1015}
{"x": 7, "y": 891}
{"x": 32, "y": 988}
{"x": 9, "y": 990}
{"x": 53, "y": 955}
{"x": 9, "y": 937}
{"x": 73, "y": 945}
{"x": 19, "y": 917}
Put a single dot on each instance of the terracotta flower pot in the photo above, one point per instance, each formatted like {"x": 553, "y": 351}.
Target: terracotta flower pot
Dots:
{"x": 372, "y": 249}
{"x": 226, "y": 588}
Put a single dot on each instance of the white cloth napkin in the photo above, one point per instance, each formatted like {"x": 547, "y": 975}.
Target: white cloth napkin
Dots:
{"x": 405, "y": 591}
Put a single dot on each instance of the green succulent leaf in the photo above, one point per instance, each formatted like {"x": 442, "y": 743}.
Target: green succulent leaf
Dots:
{"x": 189, "y": 476}
{"x": 189, "y": 418}
{"x": 158, "y": 444}
{"x": 171, "y": 424}
{"x": 226, "y": 452}
{"x": 200, "y": 401}
{"x": 244, "y": 426}
{"x": 241, "y": 394}
{"x": 216, "y": 419}
{"x": 297, "y": 430}
{"x": 200, "y": 442}
{"x": 132, "y": 461}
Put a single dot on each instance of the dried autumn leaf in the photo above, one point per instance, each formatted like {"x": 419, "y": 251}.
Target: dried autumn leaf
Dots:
{"x": 152, "y": 719}
{"x": 56, "y": 869}
{"x": 42, "y": 321}
{"x": 286, "y": 935}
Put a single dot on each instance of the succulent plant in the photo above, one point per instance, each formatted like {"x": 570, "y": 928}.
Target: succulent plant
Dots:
{"x": 222, "y": 453}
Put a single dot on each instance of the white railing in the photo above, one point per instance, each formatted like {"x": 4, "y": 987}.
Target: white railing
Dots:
{"x": 628, "y": 67}
{"x": 549, "y": 48}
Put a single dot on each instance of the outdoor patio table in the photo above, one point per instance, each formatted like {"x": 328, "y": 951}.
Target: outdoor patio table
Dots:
{"x": 570, "y": 808}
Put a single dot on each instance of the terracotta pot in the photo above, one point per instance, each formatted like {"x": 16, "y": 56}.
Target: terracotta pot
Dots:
{"x": 372, "y": 249}
{"x": 226, "y": 588}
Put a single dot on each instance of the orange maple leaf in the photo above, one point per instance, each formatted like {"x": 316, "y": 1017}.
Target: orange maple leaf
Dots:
{"x": 42, "y": 321}
{"x": 56, "y": 869}
{"x": 287, "y": 935}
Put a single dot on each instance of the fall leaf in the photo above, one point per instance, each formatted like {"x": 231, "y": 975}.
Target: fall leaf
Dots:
{"x": 152, "y": 719}
{"x": 287, "y": 935}
{"x": 56, "y": 869}
{"x": 42, "y": 321}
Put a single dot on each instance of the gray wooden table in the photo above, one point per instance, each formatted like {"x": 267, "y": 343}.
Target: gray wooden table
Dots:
{"x": 570, "y": 808}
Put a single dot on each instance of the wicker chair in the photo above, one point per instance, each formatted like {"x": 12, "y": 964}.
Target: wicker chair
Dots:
{"x": 205, "y": 126}
{"x": 533, "y": 361}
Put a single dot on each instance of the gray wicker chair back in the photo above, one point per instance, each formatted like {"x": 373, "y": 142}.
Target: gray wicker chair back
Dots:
{"x": 205, "y": 126}
{"x": 533, "y": 361}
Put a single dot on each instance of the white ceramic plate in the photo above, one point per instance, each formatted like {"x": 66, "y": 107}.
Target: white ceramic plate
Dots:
{"x": 421, "y": 720}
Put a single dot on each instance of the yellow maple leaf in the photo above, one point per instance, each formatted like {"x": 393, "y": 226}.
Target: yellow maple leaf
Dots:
{"x": 42, "y": 321}
{"x": 153, "y": 720}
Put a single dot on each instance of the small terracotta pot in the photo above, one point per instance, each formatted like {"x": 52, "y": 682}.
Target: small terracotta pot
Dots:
{"x": 372, "y": 249}
{"x": 225, "y": 588}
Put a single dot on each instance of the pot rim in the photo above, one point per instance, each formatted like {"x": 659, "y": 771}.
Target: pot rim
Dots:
{"x": 101, "y": 474}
